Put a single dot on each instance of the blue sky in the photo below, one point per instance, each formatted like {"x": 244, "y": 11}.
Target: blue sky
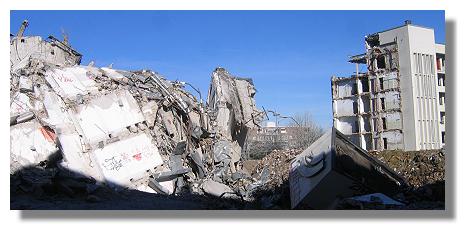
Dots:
{"x": 291, "y": 55}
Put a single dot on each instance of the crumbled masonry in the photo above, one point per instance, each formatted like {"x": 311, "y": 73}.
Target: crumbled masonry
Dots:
{"x": 83, "y": 137}
{"x": 128, "y": 129}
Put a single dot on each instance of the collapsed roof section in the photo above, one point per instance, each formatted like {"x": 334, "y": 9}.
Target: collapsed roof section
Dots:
{"x": 52, "y": 50}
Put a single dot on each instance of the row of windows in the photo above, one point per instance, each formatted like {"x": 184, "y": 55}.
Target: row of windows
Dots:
{"x": 272, "y": 137}
{"x": 440, "y": 62}
{"x": 442, "y": 98}
{"x": 423, "y": 64}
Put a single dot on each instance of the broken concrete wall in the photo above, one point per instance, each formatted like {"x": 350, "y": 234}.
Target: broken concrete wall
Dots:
{"x": 385, "y": 81}
{"x": 52, "y": 51}
{"x": 387, "y": 101}
{"x": 346, "y": 107}
{"x": 347, "y": 125}
{"x": 345, "y": 88}
{"x": 233, "y": 112}
{"x": 30, "y": 144}
{"x": 392, "y": 121}
{"x": 234, "y": 109}
{"x": 394, "y": 139}
{"x": 333, "y": 168}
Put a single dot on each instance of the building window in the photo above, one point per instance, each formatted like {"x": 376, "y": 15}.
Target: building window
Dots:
{"x": 382, "y": 103}
{"x": 440, "y": 62}
{"x": 443, "y": 137}
{"x": 367, "y": 126}
{"x": 384, "y": 123}
{"x": 441, "y": 79}
{"x": 385, "y": 143}
{"x": 355, "y": 107}
{"x": 355, "y": 90}
{"x": 441, "y": 98}
{"x": 365, "y": 85}
{"x": 381, "y": 81}
{"x": 381, "y": 62}
{"x": 443, "y": 117}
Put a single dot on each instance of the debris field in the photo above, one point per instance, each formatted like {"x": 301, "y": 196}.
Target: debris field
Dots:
{"x": 85, "y": 137}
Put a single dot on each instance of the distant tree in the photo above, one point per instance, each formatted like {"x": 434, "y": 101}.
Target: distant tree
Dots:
{"x": 308, "y": 131}
{"x": 302, "y": 128}
{"x": 259, "y": 148}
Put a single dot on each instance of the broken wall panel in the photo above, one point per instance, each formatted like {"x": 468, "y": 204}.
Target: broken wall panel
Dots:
{"x": 393, "y": 139}
{"x": 70, "y": 82}
{"x": 108, "y": 115}
{"x": 333, "y": 168}
{"x": 347, "y": 125}
{"x": 20, "y": 103}
{"x": 123, "y": 161}
{"x": 31, "y": 143}
{"x": 345, "y": 88}
{"x": 346, "y": 107}
{"x": 231, "y": 99}
{"x": 54, "y": 52}
{"x": 393, "y": 121}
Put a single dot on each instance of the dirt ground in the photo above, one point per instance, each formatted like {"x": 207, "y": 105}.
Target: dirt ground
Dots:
{"x": 44, "y": 187}
{"x": 418, "y": 167}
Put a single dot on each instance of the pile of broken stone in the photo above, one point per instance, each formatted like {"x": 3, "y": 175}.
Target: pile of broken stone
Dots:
{"x": 418, "y": 167}
{"x": 425, "y": 173}
{"x": 124, "y": 129}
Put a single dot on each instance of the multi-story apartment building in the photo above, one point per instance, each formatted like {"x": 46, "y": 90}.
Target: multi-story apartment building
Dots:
{"x": 399, "y": 103}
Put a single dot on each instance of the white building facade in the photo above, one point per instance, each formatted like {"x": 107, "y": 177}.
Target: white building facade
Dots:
{"x": 399, "y": 103}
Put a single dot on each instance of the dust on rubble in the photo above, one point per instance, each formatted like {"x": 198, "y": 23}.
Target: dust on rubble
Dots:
{"x": 418, "y": 167}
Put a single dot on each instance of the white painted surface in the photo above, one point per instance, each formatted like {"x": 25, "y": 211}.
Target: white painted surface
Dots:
{"x": 108, "y": 114}
{"x": 126, "y": 159}
{"x": 28, "y": 145}
{"x": 70, "y": 82}
{"x": 20, "y": 104}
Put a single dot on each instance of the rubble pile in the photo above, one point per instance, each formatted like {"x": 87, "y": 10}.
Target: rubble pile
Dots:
{"x": 46, "y": 186}
{"x": 418, "y": 167}
{"x": 277, "y": 163}
{"x": 424, "y": 171}
{"x": 274, "y": 170}
{"x": 126, "y": 129}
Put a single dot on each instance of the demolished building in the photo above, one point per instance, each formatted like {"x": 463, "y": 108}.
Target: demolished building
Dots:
{"x": 396, "y": 103}
{"x": 127, "y": 129}
{"x": 120, "y": 130}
